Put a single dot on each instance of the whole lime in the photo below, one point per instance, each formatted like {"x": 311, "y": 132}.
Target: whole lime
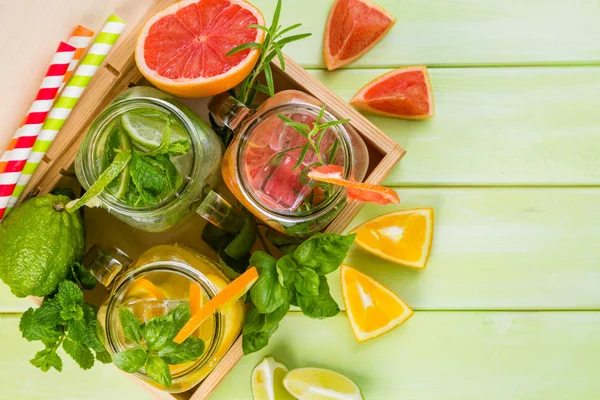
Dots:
{"x": 39, "y": 242}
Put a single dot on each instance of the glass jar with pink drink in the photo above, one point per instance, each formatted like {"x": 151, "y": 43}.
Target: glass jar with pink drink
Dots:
{"x": 275, "y": 146}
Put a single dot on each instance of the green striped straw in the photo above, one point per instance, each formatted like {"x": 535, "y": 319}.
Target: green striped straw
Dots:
{"x": 68, "y": 99}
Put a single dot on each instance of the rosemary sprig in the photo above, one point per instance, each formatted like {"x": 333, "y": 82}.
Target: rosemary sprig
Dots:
{"x": 271, "y": 48}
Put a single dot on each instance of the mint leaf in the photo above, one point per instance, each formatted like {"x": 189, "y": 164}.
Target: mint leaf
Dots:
{"x": 104, "y": 357}
{"x": 79, "y": 352}
{"x": 167, "y": 169}
{"x": 266, "y": 294}
{"x": 320, "y": 306}
{"x": 164, "y": 141}
{"x": 113, "y": 142}
{"x": 47, "y": 359}
{"x": 156, "y": 332}
{"x": 323, "y": 252}
{"x": 178, "y": 147}
{"x": 77, "y": 330}
{"x": 132, "y": 328}
{"x": 307, "y": 282}
{"x": 32, "y": 330}
{"x": 190, "y": 350}
{"x": 286, "y": 270}
{"x": 180, "y": 315}
{"x": 149, "y": 181}
{"x": 254, "y": 322}
{"x": 70, "y": 299}
{"x": 92, "y": 340}
{"x": 48, "y": 314}
{"x": 158, "y": 370}
{"x": 273, "y": 319}
{"x": 130, "y": 360}
{"x": 83, "y": 276}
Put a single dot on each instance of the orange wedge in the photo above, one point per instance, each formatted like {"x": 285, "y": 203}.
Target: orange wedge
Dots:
{"x": 403, "y": 237}
{"x": 231, "y": 293}
{"x": 357, "y": 191}
{"x": 372, "y": 308}
{"x": 144, "y": 289}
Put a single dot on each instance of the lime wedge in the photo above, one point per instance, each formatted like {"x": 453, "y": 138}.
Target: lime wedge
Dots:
{"x": 110, "y": 173}
{"x": 146, "y": 127}
{"x": 117, "y": 140}
{"x": 320, "y": 384}
{"x": 267, "y": 381}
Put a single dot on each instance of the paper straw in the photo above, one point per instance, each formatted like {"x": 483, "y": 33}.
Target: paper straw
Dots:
{"x": 80, "y": 39}
{"x": 68, "y": 99}
{"x": 26, "y": 135}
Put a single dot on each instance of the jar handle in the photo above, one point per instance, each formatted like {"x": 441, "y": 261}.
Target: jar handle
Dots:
{"x": 221, "y": 213}
{"x": 105, "y": 264}
{"x": 227, "y": 110}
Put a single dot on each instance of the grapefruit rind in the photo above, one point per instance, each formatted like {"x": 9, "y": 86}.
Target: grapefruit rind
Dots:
{"x": 332, "y": 62}
{"x": 422, "y": 263}
{"x": 358, "y": 333}
{"x": 198, "y": 87}
{"x": 359, "y": 101}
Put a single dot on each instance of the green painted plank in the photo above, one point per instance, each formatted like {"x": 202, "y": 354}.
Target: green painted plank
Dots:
{"x": 493, "y": 249}
{"x": 20, "y": 380}
{"x": 446, "y": 356}
{"x": 9, "y": 303}
{"x": 500, "y": 249}
{"x": 500, "y": 126}
{"x": 466, "y": 32}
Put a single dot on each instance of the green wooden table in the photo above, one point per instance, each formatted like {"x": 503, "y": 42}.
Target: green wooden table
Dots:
{"x": 507, "y": 307}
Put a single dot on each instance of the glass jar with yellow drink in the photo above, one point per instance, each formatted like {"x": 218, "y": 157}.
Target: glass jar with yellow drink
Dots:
{"x": 158, "y": 281}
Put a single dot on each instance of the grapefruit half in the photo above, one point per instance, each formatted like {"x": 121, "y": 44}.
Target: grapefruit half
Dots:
{"x": 403, "y": 93}
{"x": 183, "y": 48}
{"x": 353, "y": 28}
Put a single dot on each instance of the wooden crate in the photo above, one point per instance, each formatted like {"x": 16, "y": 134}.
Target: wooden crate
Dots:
{"x": 120, "y": 72}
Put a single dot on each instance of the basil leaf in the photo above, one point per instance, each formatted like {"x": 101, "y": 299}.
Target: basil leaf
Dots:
{"x": 286, "y": 270}
{"x": 244, "y": 240}
{"x": 255, "y": 341}
{"x": 156, "y": 331}
{"x": 273, "y": 319}
{"x": 266, "y": 294}
{"x": 289, "y": 248}
{"x": 131, "y": 325}
{"x": 323, "y": 252}
{"x": 216, "y": 237}
{"x": 180, "y": 315}
{"x": 158, "y": 370}
{"x": 191, "y": 349}
{"x": 320, "y": 306}
{"x": 130, "y": 360}
{"x": 254, "y": 322}
{"x": 307, "y": 282}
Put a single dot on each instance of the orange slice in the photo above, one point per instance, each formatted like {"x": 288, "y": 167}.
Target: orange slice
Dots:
{"x": 196, "y": 298}
{"x": 357, "y": 191}
{"x": 372, "y": 308}
{"x": 403, "y": 237}
{"x": 231, "y": 293}
{"x": 144, "y": 289}
{"x": 353, "y": 28}
{"x": 183, "y": 48}
{"x": 404, "y": 93}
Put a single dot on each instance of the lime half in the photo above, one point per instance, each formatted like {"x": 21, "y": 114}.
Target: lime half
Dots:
{"x": 320, "y": 384}
{"x": 146, "y": 127}
{"x": 110, "y": 173}
{"x": 267, "y": 381}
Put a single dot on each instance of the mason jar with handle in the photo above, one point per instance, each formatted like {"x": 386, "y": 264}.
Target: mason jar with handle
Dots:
{"x": 155, "y": 283}
{"x": 274, "y": 148}
{"x": 175, "y": 161}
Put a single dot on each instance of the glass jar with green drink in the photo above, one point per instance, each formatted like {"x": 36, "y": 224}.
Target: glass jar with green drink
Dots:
{"x": 175, "y": 158}
{"x": 162, "y": 285}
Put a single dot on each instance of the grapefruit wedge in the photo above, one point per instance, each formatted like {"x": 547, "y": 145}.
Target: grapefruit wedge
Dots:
{"x": 353, "y": 28}
{"x": 403, "y": 93}
{"x": 183, "y": 48}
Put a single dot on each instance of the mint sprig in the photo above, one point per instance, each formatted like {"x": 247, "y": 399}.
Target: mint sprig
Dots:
{"x": 156, "y": 349}
{"x": 64, "y": 320}
{"x": 299, "y": 279}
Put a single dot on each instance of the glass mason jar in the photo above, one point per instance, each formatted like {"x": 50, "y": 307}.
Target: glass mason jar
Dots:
{"x": 196, "y": 170}
{"x": 266, "y": 164}
{"x": 154, "y": 284}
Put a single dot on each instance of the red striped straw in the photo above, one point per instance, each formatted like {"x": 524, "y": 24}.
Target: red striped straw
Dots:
{"x": 26, "y": 135}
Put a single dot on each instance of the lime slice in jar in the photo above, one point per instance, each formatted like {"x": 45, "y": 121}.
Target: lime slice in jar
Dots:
{"x": 117, "y": 140}
{"x": 114, "y": 169}
{"x": 146, "y": 127}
